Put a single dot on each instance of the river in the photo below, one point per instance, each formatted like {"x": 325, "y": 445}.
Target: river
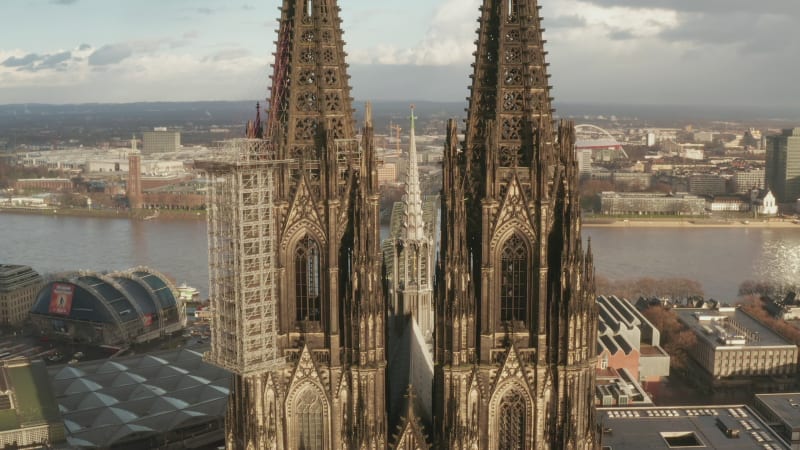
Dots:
{"x": 719, "y": 258}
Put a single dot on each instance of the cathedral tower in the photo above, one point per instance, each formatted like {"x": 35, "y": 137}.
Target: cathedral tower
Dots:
{"x": 516, "y": 315}
{"x": 306, "y": 237}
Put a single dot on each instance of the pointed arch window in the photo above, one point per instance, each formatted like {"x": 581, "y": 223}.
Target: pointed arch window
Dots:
{"x": 513, "y": 9}
{"x": 512, "y": 422}
{"x": 310, "y": 427}
{"x": 307, "y": 281}
{"x": 514, "y": 281}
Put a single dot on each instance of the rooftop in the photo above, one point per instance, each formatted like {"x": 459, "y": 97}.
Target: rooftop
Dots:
{"x": 729, "y": 327}
{"x": 785, "y": 406}
{"x": 14, "y": 277}
{"x": 707, "y": 427}
{"x": 111, "y": 401}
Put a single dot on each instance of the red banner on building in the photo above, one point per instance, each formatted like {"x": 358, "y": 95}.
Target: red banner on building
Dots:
{"x": 61, "y": 299}
{"x": 148, "y": 320}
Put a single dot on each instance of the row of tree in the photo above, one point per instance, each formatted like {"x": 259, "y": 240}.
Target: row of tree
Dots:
{"x": 678, "y": 290}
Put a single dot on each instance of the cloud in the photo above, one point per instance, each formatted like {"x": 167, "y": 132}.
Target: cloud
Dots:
{"x": 26, "y": 60}
{"x": 228, "y": 55}
{"x": 206, "y": 11}
{"x": 621, "y": 35}
{"x": 57, "y": 61}
{"x": 84, "y": 47}
{"x": 789, "y": 7}
{"x": 110, "y": 54}
{"x": 63, "y": 2}
{"x": 571, "y": 21}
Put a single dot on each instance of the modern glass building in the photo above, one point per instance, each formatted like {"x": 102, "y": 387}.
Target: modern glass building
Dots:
{"x": 783, "y": 165}
{"x": 118, "y": 308}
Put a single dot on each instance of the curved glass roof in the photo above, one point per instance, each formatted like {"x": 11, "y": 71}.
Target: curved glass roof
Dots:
{"x": 114, "y": 298}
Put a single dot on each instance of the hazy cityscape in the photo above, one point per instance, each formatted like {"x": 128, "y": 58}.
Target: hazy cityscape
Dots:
{"x": 212, "y": 240}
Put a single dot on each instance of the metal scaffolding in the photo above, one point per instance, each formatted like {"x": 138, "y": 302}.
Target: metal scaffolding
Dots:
{"x": 241, "y": 244}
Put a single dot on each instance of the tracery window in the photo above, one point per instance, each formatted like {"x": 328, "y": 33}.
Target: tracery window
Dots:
{"x": 310, "y": 428}
{"x": 307, "y": 280}
{"x": 512, "y": 422}
{"x": 513, "y": 7}
{"x": 514, "y": 281}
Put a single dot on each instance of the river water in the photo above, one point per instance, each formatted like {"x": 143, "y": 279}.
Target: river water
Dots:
{"x": 719, "y": 258}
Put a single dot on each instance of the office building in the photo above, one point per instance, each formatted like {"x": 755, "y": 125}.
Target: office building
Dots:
{"x": 29, "y": 414}
{"x": 783, "y": 165}
{"x": 635, "y": 203}
{"x": 160, "y": 140}
{"x": 734, "y": 350}
{"x": 782, "y": 413}
{"x": 18, "y": 288}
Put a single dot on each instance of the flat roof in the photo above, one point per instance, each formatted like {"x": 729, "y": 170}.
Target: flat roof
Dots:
{"x": 649, "y": 427}
{"x": 757, "y": 335}
{"x": 785, "y": 406}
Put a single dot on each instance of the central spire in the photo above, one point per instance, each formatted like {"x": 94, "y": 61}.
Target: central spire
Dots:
{"x": 413, "y": 223}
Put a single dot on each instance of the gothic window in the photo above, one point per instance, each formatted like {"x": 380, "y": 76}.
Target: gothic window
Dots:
{"x": 309, "y": 7}
{"x": 512, "y": 422}
{"x": 513, "y": 9}
{"x": 514, "y": 281}
{"x": 307, "y": 281}
{"x": 309, "y": 421}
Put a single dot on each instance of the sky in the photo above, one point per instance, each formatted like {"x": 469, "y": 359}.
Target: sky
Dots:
{"x": 693, "y": 52}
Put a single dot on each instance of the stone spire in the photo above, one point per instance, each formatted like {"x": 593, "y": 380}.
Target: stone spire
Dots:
{"x": 413, "y": 223}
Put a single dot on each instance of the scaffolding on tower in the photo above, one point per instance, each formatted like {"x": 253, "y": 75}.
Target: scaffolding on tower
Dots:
{"x": 242, "y": 265}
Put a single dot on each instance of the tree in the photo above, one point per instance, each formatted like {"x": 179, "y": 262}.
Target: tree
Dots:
{"x": 677, "y": 338}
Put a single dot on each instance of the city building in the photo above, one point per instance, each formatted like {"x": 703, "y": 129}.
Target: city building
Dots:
{"x": 735, "y": 351}
{"x": 619, "y": 388}
{"x": 29, "y": 414}
{"x": 625, "y": 203}
{"x": 783, "y": 165}
{"x": 18, "y": 288}
{"x": 387, "y": 173}
{"x": 170, "y": 399}
{"x": 746, "y": 180}
{"x": 713, "y": 427}
{"x": 764, "y": 202}
{"x": 117, "y": 309}
{"x": 707, "y": 184}
{"x": 409, "y": 258}
{"x": 730, "y": 203}
{"x": 782, "y": 413}
{"x": 298, "y": 301}
{"x": 161, "y": 141}
{"x": 632, "y": 180}
{"x": 516, "y": 319}
{"x": 44, "y": 184}
{"x": 629, "y": 342}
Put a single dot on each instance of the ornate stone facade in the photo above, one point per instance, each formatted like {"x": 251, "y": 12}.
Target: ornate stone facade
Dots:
{"x": 516, "y": 318}
{"x": 330, "y": 394}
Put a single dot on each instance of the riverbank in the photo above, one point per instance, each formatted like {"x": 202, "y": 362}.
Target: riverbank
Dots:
{"x": 144, "y": 214}
{"x": 688, "y": 223}
{"x": 592, "y": 222}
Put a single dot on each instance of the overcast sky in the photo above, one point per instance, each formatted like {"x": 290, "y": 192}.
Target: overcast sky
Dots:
{"x": 699, "y": 52}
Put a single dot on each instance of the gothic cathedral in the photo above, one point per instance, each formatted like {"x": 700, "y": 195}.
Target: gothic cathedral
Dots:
{"x": 301, "y": 296}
